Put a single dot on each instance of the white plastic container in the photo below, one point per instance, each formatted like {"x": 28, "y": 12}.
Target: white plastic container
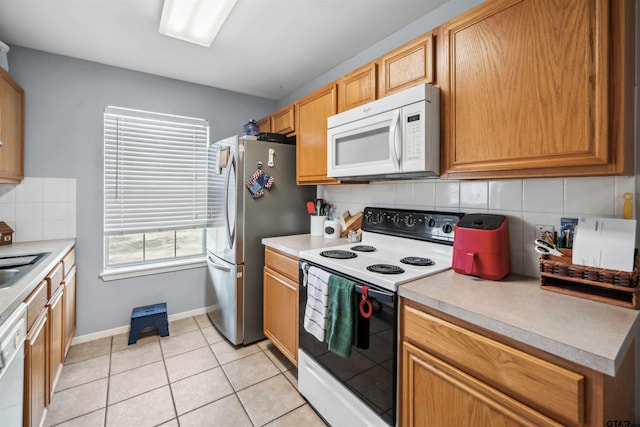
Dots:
{"x": 4, "y": 63}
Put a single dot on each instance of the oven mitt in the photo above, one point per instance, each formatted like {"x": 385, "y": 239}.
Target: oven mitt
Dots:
{"x": 258, "y": 182}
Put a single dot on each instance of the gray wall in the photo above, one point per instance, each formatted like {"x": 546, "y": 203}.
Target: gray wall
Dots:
{"x": 447, "y": 11}
{"x": 64, "y": 104}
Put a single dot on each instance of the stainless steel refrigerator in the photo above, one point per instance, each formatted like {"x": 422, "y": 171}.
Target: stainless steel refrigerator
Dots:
{"x": 244, "y": 208}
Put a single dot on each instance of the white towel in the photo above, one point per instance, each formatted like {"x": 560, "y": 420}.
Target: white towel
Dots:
{"x": 315, "y": 313}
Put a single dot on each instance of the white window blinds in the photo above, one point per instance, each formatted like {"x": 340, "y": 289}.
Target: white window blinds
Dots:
{"x": 155, "y": 171}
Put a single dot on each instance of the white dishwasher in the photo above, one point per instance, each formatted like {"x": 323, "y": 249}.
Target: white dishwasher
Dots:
{"x": 12, "y": 334}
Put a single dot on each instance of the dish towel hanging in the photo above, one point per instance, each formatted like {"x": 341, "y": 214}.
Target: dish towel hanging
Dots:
{"x": 341, "y": 317}
{"x": 315, "y": 312}
{"x": 258, "y": 182}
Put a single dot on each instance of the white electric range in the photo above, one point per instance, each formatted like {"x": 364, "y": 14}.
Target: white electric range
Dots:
{"x": 397, "y": 246}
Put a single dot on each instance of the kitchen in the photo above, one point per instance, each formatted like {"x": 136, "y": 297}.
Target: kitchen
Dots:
{"x": 59, "y": 90}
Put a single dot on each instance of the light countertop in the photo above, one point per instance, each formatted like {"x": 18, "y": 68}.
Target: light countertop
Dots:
{"x": 589, "y": 333}
{"x": 11, "y": 297}
{"x": 292, "y": 245}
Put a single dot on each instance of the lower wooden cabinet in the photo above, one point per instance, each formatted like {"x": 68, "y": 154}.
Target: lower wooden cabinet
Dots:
{"x": 456, "y": 398}
{"x": 51, "y": 324}
{"x": 36, "y": 379}
{"x": 56, "y": 328}
{"x": 454, "y": 373}
{"x": 69, "y": 297}
{"x": 281, "y": 302}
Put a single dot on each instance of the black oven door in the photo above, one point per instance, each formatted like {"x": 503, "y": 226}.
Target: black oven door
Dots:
{"x": 370, "y": 371}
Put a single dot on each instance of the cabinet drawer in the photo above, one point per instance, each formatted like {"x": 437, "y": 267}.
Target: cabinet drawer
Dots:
{"x": 36, "y": 302}
{"x": 68, "y": 262}
{"x": 284, "y": 264}
{"x": 54, "y": 279}
{"x": 549, "y": 388}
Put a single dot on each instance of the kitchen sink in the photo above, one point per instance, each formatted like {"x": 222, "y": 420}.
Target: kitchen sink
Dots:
{"x": 9, "y": 277}
{"x": 14, "y": 267}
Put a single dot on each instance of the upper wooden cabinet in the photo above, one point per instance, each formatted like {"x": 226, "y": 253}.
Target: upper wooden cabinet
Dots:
{"x": 311, "y": 113}
{"x": 11, "y": 130}
{"x": 408, "y": 65}
{"x": 358, "y": 87}
{"x": 264, "y": 124}
{"x": 538, "y": 88}
{"x": 282, "y": 121}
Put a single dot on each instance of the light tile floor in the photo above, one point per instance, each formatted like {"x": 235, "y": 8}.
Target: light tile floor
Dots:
{"x": 192, "y": 378}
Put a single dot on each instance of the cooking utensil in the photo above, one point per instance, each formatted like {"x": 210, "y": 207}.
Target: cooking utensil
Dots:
{"x": 311, "y": 207}
{"x": 545, "y": 248}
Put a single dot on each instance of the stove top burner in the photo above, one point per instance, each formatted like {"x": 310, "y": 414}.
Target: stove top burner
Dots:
{"x": 385, "y": 269}
{"x": 338, "y": 254}
{"x": 363, "y": 248}
{"x": 416, "y": 260}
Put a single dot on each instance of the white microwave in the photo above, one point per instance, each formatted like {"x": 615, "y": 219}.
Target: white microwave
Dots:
{"x": 391, "y": 138}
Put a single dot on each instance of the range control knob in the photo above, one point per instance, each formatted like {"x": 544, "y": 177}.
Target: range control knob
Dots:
{"x": 380, "y": 217}
{"x": 447, "y": 228}
{"x": 409, "y": 220}
{"x": 368, "y": 218}
{"x": 396, "y": 218}
{"x": 431, "y": 222}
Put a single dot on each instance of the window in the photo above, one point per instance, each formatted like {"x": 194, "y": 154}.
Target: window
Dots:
{"x": 155, "y": 189}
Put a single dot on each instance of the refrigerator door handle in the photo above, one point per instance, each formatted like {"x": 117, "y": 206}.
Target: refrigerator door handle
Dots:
{"x": 212, "y": 263}
{"x": 231, "y": 234}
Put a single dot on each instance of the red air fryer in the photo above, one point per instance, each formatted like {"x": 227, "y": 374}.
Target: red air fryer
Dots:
{"x": 481, "y": 246}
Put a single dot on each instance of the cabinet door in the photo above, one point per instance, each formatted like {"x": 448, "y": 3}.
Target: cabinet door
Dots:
{"x": 11, "y": 130}
{"x": 434, "y": 393}
{"x": 36, "y": 390}
{"x": 56, "y": 338}
{"x": 283, "y": 120}
{"x": 312, "y": 112}
{"x": 407, "y": 66}
{"x": 358, "y": 87}
{"x": 69, "y": 297}
{"x": 537, "y": 88}
{"x": 281, "y": 313}
{"x": 264, "y": 124}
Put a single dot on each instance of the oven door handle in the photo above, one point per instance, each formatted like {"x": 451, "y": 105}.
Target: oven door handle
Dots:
{"x": 381, "y": 296}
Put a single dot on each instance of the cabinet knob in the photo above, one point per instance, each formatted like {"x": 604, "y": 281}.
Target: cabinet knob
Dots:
{"x": 1, "y": 143}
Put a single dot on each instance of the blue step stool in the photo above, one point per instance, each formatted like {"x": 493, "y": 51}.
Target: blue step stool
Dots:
{"x": 149, "y": 316}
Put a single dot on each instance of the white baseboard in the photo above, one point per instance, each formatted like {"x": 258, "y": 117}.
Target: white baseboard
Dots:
{"x": 125, "y": 329}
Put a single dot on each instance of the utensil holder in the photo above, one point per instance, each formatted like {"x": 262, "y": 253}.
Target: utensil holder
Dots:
{"x": 317, "y": 225}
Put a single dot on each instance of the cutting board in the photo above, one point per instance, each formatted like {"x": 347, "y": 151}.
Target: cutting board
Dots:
{"x": 351, "y": 222}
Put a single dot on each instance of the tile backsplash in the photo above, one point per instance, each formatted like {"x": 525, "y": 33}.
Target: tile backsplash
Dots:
{"x": 526, "y": 202}
{"x": 40, "y": 208}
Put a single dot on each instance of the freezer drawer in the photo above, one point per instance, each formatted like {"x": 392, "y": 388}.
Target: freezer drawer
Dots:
{"x": 226, "y": 281}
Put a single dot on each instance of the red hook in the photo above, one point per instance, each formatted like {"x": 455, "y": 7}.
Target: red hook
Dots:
{"x": 364, "y": 302}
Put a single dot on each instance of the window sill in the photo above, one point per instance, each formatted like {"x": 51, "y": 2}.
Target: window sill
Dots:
{"x": 156, "y": 268}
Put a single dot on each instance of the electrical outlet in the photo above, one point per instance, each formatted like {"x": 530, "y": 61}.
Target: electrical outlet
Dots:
{"x": 545, "y": 232}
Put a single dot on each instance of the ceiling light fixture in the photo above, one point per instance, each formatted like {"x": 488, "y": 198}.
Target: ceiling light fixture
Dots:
{"x": 194, "y": 21}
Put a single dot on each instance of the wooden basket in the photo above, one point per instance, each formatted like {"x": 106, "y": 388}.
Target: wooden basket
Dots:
{"x": 619, "y": 288}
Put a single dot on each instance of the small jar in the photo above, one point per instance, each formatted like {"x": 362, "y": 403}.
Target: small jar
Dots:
{"x": 250, "y": 128}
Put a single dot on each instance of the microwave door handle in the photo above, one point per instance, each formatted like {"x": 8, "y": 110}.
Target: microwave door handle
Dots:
{"x": 394, "y": 138}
